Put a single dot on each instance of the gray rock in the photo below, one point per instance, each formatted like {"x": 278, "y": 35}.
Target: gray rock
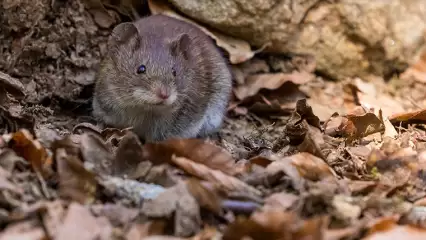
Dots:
{"x": 347, "y": 37}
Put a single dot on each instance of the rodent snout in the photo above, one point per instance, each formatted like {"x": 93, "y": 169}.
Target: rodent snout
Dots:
{"x": 165, "y": 94}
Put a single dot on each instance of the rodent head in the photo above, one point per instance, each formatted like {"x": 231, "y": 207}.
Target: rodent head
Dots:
{"x": 146, "y": 71}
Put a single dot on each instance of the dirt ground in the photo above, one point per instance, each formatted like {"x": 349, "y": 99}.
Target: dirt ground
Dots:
{"x": 329, "y": 167}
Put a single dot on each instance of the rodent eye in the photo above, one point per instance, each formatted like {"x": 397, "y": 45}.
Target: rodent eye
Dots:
{"x": 174, "y": 72}
{"x": 141, "y": 69}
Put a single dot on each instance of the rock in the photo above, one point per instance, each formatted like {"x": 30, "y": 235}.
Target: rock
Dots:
{"x": 347, "y": 37}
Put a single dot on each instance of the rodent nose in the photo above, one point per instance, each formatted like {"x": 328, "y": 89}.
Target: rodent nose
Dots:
{"x": 163, "y": 93}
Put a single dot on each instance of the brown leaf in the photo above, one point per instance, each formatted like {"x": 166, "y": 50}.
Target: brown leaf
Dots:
{"x": 359, "y": 126}
{"x": 415, "y": 116}
{"x": 142, "y": 230}
{"x": 30, "y": 149}
{"x": 12, "y": 85}
{"x": 312, "y": 167}
{"x": 263, "y": 225}
{"x": 101, "y": 15}
{"x": 285, "y": 166}
{"x": 206, "y": 195}
{"x": 271, "y": 81}
{"x": 239, "y": 50}
{"x": 80, "y": 224}
{"x": 128, "y": 157}
{"x": 75, "y": 182}
{"x": 52, "y": 216}
{"x": 95, "y": 152}
{"x": 280, "y": 200}
{"x": 27, "y": 230}
{"x": 178, "y": 202}
{"x": 387, "y": 228}
{"x": 117, "y": 214}
{"x": 272, "y": 224}
{"x": 314, "y": 142}
{"x": 227, "y": 182}
{"x": 197, "y": 150}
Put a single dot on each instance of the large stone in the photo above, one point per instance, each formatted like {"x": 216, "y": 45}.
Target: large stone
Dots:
{"x": 348, "y": 37}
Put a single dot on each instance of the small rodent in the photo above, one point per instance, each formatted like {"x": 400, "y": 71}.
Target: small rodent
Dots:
{"x": 163, "y": 77}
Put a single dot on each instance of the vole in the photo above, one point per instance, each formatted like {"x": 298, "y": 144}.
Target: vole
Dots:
{"x": 164, "y": 78}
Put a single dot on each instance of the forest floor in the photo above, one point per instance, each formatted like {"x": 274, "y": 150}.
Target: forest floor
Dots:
{"x": 299, "y": 156}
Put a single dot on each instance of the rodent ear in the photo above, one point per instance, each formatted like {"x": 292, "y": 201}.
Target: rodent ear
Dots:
{"x": 123, "y": 33}
{"x": 181, "y": 46}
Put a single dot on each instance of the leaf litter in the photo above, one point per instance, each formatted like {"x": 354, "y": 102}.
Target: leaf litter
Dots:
{"x": 298, "y": 157}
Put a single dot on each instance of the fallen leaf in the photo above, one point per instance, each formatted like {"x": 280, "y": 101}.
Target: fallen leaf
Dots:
{"x": 198, "y": 150}
{"x": 100, "y": 14}
{"x": 143, "y": 230}
{"x": 263, "y": 225}
{"x": 415, "y": 116}
{"x": 80, "y": 224}
{"x": 281, "y": 166}
{"x": 118, "y": 215}
{"x": 370, "y": 96}
{"x": 390, "y": 130}
{"x": 280, "y": 200}
{"x": 225, "y": 181}
{"x": 206, "y": 194}
{"x": 359, "y": 126}
{"x": 387, "y": 228}
{"x": 128, "y": 157}
{"x": 312, "y": 167}
{"x": 97, "y": 157}
{"x": 26, "y": 230}
{"x": 12, "y": 85}
{"x": 75, "y": 182}
{"x": 178, "y": 202}
{"x": 30, "y": 149}
{"x": 239, "y": 50}
{"x": 6, "y": 184}
{"x": 12, "y": 121}
{"x": 272, "y": 224}
{"x": 271, "y": 81}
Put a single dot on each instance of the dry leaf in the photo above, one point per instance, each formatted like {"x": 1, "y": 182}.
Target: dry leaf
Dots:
{"x": 285, "y": 166}
{"x": 271, "y": 81}
{"x": 24, "y": 144}
{"x": 415, "y": 116}
{"x": 239, "y": 50}
{"x": 178, "y": 202}
{"x": 80, "y": 224}
{"x": 26, "y": 230}
{"x": 387, "y": 228}
{"x": 142, "y": 230}
{"x": 197, "y": 150}
{"x": 207, "y": 196}
{"x": 100, "y": 14}
{"x": 12, "y": 85}
{"x": 75, "y": 182}
{"x": 277, "y": 225}
{"x": 359, "y": 126}
{"x": 227, "y": 182}
{"x": 312, "y": 167}
{"x": 263, "y": 225}
{"x": 117, "y": 214}
{"x": 96, "y": 154}
{"x": 128, "y": 156}
{"x": 280, "y": 200}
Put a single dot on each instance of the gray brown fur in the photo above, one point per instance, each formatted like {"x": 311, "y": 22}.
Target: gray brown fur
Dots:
{"x": 203, "y": 80}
